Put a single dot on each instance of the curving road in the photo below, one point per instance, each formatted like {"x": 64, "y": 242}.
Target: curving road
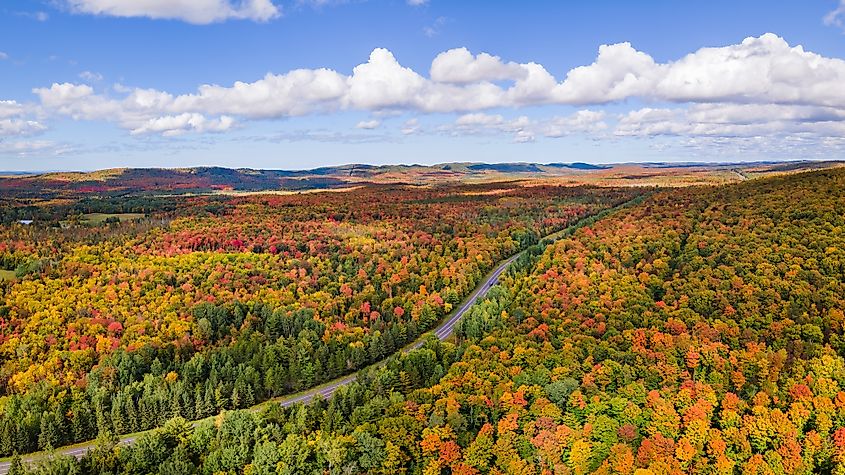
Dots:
{"x": 442, "y": 332}
{"x": 324, "y": 391}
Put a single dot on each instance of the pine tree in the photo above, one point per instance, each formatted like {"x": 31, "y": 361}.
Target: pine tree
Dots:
{"x": 48, "y": 437}
{"x": 176, "y": 404}
{"x": 6, "y": 438}
{"x": 249, "y": 396}
{"x": 199, "y": 406}
{"x": 221, "y": 400}
{"x": 80, "y": 423}
{"x": 118, "y": 416}
{"x": 236, "y": 396}
{"x": 134, "y": 424}
{"x": 16, "y": 466}
{"x": 24, "y": 435}
{"x": 208, "y": 401}
{"x": 103, "y": 420}
{"x": 187, "y": 404}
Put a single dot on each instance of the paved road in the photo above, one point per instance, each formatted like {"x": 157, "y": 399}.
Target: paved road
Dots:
{"x": 442, "y": 332}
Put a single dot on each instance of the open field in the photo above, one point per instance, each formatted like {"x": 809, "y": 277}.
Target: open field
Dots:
{"x": 96, "y": 219}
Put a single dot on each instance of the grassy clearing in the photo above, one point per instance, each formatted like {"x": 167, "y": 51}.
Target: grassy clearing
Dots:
{"x": 97, "y": 219}
{"x": 100, "y": 218}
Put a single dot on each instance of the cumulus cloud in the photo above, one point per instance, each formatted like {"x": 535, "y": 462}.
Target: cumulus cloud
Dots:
{"x": 10, "y": 108}
{"x": 758, "y": 70}
{"x": 382, "y": 82}
{"x": 732, "y": 121}
{"x": 298, "y": 92}
{"x": 619, "y": 72}
{"x": 20, "y": 127}
{"x": 368, "y": 124}
{"x": 198, "y": 12}
{"x": 179, "y": 124}
{"x": 725, "y": 90}
{"x": 142, "y": 111}
{"x": 460, "y": 66}
{"x": 13, "y": 121}
{"x": 479, "y": 120}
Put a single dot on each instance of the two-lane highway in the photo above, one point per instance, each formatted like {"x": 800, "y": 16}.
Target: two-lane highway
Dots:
{"x": 442, "y": 332}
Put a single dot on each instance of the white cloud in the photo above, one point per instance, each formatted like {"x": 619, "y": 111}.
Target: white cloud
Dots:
{"x": 460, "y": 66}
{"x": 20, "y": 127}
{"x": 79, "y": 102}
{"x": 410, "y": 127}
{"x": 733, "y": 120}
{"x": 3, "y": 56}
{"x": 28, "y": 148}
{"x": 759, "y": 70}
{"x": 199, "y": 12}
{"x": 728, "y": 90}
{"x": 836, "y": 17}
{"x": 10, "y": 108}
{"x": 177, "y": 125}
{"x": 523, "y": 129}
{"x": 368, "y": 124}
{"x": 383, "y": 83}
{"x": 583, "y": 121}
{"x": 13, "y": 121}
{"x": 298, "y": 92}
{"x": 417, "y": 3}
{"x": 142, "y": 111}
{"x": 479, "y": 119}
{"x": 91, "y": 76}
{"x": 618, "y": 73}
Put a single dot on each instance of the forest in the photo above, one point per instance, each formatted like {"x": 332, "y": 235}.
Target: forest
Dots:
{"x": 206, "y": 304}
{"x": 699, "y": 331}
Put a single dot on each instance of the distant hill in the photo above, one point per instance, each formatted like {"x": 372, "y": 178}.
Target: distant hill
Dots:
{"x": 203, "y": 180}
{"x": 507, "y": 167}
{"x": 579, "y": 166}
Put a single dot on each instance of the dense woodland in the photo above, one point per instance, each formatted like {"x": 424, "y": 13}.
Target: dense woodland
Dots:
{"x": 697, "y": 332}
{"x": 215, "y": 303}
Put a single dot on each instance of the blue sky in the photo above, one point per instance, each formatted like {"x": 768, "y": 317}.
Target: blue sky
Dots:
{"x": 90, "y": 84}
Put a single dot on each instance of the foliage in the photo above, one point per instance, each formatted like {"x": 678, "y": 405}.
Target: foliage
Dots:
{"x": 118, "y": 328}
{"x": 698, "y": 332}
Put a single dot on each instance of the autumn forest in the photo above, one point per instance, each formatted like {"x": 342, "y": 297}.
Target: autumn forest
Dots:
{"x": 629, "y": 329}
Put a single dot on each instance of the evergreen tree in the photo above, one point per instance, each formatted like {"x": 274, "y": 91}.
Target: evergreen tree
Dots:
{"x": 16, "y": 466}
{"x": 7, "y": 438}
{"x": 48, "y": 437}
{"x": 134, "y": 423}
